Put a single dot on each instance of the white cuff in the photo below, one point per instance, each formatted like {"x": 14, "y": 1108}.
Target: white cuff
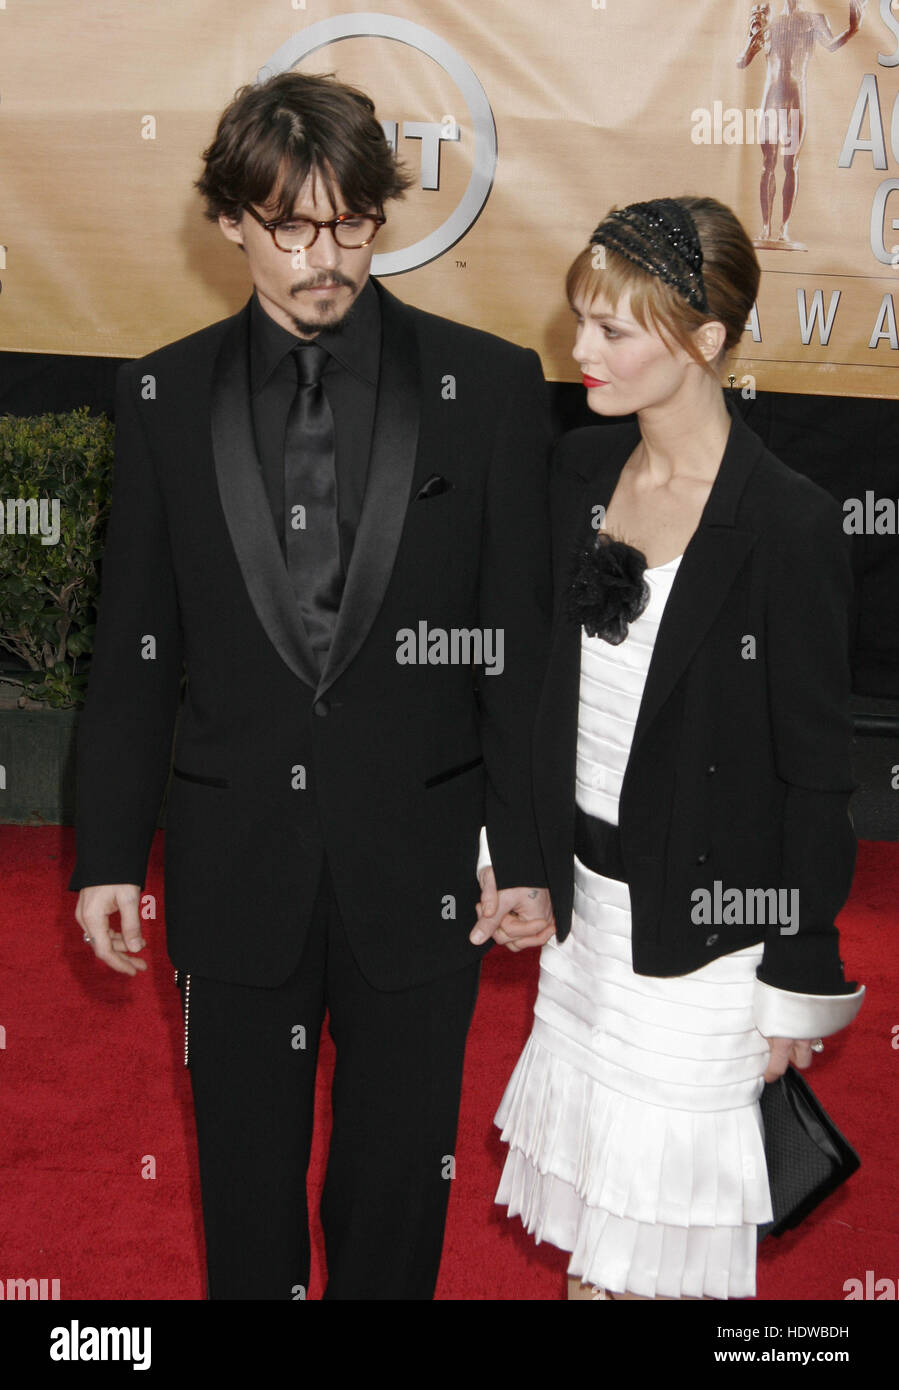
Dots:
{"x": 779, "y": 1013}
{"x": 484, "y": 860}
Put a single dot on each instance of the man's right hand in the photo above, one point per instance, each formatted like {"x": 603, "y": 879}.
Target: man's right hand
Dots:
{"x": 92, "y": 912}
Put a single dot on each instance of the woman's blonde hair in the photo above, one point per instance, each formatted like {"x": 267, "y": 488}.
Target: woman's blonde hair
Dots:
{"x": 730, "y": 272}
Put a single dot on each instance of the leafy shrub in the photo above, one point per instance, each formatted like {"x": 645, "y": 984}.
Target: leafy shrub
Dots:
{"x": 48, "y": 593}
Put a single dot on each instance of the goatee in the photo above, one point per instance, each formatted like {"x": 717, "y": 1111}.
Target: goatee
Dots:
{"x": 331, "y": 325}
{"x": 317, "y": 326}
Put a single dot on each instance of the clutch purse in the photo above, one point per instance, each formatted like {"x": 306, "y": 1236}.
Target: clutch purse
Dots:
{"x": 806, "y": 1154}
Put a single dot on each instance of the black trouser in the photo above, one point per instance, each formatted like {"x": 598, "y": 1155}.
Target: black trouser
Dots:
{"x": 395, "y": 1101}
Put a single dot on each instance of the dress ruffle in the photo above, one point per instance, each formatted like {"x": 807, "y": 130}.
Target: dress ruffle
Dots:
{"x": 632, "y": 1118}
{"x": 621, "y": 1254}
{"x": 649, "y": 1163}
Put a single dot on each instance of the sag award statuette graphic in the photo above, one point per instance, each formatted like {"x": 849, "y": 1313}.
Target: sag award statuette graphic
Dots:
{"x": 788, "y": 43}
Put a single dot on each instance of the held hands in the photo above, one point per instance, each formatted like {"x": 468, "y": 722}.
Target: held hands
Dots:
{"x": 514, "y": 917}
{"x": 92, "y": 912}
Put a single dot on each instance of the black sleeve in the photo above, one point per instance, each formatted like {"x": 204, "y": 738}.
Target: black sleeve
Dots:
{"x": 807, "y": 639}
{"x": 125, "y": 730}
{"x": 515, "y": 596}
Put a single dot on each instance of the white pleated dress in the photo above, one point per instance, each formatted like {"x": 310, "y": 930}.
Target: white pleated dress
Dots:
{"x": 632, "y": 1118}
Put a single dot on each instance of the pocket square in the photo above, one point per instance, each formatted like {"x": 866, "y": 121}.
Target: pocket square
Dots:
{"x": 433, "y": 487}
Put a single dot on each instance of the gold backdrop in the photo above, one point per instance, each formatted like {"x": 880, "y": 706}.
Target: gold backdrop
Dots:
{"x": 105, "y": 106}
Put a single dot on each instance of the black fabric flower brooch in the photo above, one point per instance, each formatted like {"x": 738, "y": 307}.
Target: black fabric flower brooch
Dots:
{"x": 607, "y": 590}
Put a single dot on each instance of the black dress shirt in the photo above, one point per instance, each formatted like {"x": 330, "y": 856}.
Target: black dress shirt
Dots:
{"x": 350, "y": 382}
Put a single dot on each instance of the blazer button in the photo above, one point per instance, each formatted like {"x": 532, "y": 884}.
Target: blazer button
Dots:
{"x": 710, "y": 940}
{"x": 712, "y": 767}
{"x": 321, "y": 707}
{"x": 703, "y": 858}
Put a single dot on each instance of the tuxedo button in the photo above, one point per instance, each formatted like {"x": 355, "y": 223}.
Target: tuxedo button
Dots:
{"x": 710, "y": 940}
{"x": 321, "y": 708}
{"x": 703, "y": 858}
{"x": 712, "y": 767}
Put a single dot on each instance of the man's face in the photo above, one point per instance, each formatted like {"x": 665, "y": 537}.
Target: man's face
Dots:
{"x": 303, "y": 291}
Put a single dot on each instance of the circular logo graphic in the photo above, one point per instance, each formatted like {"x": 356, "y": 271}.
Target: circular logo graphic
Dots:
{"x": 386, "y": 26}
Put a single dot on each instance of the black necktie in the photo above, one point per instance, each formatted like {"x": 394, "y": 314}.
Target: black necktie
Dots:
{"x": 312, "y": 541}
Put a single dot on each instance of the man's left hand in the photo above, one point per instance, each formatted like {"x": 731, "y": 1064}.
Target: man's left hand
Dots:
{"x": 514, "y": 917}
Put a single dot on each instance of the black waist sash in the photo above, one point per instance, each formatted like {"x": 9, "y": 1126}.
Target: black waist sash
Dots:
{"x": 597, "y": 845}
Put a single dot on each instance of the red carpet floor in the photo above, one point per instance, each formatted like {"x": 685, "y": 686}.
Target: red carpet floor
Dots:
{"x": 97, "y": 1156}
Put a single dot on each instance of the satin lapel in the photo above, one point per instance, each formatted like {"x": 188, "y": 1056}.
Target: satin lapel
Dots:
{"x": 390, "y": 469}
{"x": 705, "y": 574}
{"x": 246, "y": 507}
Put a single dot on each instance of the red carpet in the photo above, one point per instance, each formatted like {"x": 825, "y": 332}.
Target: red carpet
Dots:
{"x": 94, "y": 1098}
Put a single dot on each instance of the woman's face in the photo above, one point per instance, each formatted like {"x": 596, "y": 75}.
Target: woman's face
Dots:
{"x": 624, "y": 367}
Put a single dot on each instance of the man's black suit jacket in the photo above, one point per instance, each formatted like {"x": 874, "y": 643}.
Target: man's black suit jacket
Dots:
{"x": 389, "y": 768}
{"x": 739, "y": 770}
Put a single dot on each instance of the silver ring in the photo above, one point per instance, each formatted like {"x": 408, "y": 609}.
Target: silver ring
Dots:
{"x": 817, "y": 1045}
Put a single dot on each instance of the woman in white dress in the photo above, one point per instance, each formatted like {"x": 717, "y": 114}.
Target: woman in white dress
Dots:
{"x": 692, "y": 781}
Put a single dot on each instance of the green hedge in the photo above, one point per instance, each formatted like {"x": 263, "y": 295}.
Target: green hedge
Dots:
{"x": 48, "y": 592}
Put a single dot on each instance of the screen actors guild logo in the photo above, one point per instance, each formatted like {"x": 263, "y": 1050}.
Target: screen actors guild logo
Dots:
{"x": 468, "y": 210}
{"x": 788, "y": 43}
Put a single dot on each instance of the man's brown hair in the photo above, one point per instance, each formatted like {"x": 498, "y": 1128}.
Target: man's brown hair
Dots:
{"x": 272, "y": 136}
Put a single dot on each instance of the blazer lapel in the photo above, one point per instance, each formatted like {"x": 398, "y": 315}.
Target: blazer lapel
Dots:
{"x": 390, "y": 469}
{"x": 246, "y": 508}
{"x": 709, "y": 567}
{"x": 557, "y": 717}
{"x": 706, "y": 572}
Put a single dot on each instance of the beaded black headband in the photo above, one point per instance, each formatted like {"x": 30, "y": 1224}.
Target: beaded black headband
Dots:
{"x": 661, "y": 237}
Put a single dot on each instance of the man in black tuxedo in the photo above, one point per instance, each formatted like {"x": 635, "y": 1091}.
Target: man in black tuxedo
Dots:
{"x": 330, "y": 510}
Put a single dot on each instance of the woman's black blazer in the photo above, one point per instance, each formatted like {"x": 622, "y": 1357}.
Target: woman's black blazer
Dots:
{"x": 739, "y": 771}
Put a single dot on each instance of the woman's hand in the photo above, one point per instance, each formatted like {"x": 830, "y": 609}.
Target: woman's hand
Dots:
{"x": 786, "y": 1050}
{"x": 514, "y": 917}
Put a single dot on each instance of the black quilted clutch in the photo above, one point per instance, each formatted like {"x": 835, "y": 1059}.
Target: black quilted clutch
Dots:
{"x": 806, "y": 1154}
